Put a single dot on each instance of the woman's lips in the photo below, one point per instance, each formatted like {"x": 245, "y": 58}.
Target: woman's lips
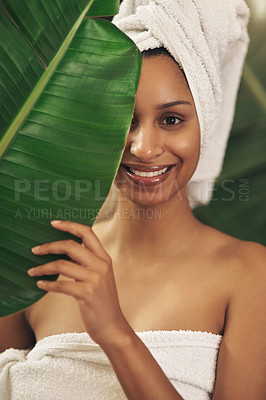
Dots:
{"x": 145, "y": 180}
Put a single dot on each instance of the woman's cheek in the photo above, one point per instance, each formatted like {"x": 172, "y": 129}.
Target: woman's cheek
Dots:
{"x": 188, "y": 154}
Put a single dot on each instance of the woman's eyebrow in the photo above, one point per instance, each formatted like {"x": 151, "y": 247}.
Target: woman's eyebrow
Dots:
{"x": 173, "y": 103}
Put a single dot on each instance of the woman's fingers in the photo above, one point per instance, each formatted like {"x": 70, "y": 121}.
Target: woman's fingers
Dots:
{"x": 87, "y": 235}
{"x": 75, "y": 289}
{"x": 63, "y": 267}
{"x": 92, "y": 256}
{"x": 72, "y": 249}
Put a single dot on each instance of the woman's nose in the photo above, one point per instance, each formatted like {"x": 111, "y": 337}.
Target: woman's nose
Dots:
{"x": 146, "y": 145}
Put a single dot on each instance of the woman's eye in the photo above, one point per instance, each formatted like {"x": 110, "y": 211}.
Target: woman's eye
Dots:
{"x": 171, "y": 120}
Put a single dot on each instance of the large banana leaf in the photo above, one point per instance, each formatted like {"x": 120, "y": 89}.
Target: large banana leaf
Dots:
{"x": 238, "y": 203}
{"x": 67, "y": 86}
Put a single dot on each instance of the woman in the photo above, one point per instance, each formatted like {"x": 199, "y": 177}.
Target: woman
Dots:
{"x": 152, "y": 295}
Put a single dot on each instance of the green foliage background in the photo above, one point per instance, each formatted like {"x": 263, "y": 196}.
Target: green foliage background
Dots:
{"x": 238, "y": 203}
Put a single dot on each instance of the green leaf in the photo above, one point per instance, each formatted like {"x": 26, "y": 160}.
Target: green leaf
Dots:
{"x": 238, "y": 203}
{"x": 104, "y": 8}
{"x": 31, "y": 33}
{"x": 64, "y": 136}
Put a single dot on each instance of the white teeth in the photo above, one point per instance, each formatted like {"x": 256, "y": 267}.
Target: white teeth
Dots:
{"x": 148, "y": 174}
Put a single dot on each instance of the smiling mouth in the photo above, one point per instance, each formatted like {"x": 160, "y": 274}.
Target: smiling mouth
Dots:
{"x": 150, "y": 173}
{"x": 147, "y": 175}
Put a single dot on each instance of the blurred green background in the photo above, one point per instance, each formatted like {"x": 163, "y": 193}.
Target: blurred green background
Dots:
{"x": 239, "y": 199}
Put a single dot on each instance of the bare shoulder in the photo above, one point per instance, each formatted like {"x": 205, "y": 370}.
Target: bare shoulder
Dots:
{"x": 244, "y": 258}
{"x": 253, "y": 253}
{"x": 251, "y": 260}
{"x": 244, "y": 265}
{"x": 248, "y": 259}
{"x": 15, "y": 332}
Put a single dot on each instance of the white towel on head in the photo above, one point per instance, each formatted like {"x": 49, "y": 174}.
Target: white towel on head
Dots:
{"x": 209, "y": 39}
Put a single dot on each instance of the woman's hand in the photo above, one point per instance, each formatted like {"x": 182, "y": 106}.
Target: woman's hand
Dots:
{"x": 94, "y": 285}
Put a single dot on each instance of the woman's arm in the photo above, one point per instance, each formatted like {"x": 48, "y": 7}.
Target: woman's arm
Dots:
{"x": 241, "y": 369}
{"x": 15, "y": 332}
{"x": 139, "y": 374}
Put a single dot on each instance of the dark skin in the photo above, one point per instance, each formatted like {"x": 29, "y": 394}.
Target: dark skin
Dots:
{"x": 114, "y": 283}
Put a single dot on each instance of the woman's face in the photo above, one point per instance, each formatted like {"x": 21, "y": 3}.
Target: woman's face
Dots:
{"x": 163, "y": 145}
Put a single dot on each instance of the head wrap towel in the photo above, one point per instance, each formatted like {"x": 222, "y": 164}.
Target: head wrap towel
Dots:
{"x": 209, "y": 39}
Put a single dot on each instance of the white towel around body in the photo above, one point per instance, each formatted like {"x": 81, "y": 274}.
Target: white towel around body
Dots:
{"x": 72, "y": 366}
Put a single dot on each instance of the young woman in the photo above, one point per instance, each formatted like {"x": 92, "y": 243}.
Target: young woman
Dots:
{"x": 161, "y": 296}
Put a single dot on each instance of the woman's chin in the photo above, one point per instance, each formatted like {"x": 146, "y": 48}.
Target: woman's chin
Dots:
{"x": 149, "y": 199}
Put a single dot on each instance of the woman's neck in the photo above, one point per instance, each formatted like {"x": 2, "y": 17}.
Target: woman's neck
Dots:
{"x": 153, "y": 232}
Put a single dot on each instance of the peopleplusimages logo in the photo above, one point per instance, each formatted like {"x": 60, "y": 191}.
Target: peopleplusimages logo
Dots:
{"x": 62, "y": 190}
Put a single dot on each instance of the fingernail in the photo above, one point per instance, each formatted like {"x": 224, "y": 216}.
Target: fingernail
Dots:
{"x": 40, "y": 283}
{"x": 31, "y": 271}
{"x": 56, "y": 222}
{"x": 35, "y": 249}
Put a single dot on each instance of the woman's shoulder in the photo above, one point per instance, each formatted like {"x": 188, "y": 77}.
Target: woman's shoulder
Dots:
{"x": 252, "y": 255}
{"x": 242, "y": 258}
{"x": 15, "y": 332}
